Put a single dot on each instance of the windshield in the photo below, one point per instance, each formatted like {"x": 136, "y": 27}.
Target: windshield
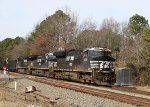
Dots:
{"x": 95, "y": 53}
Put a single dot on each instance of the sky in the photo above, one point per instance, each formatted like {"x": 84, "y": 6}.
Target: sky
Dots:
{"x": 19, "y": 17}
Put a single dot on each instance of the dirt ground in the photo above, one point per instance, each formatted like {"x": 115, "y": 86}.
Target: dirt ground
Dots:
{"x": 11, "y": 98}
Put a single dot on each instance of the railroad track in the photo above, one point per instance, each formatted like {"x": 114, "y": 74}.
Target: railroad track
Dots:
{"x": 124, "y": 89}
{"x": 138, "y": 101}
{"x": 119, "y": 88}
{"x": 130, "y": 89}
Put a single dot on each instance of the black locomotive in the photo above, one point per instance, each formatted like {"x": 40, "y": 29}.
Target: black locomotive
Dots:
{"x": 91, "y": 65}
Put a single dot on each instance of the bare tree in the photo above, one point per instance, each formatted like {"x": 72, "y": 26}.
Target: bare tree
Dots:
{"x": 111, "y": 24}
{"x": 88, "y": 24}
{"x": 110, "y": 34}
{"x": 20, "y": 49}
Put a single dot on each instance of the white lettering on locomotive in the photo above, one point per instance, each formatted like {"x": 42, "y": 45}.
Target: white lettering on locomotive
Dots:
{"x": 101, "y": 64}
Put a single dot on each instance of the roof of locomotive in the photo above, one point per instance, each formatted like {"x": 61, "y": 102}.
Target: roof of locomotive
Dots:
{"x": 97, "y": 49}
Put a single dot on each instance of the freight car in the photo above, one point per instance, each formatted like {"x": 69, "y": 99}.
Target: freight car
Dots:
{"x": 90, "y": 65}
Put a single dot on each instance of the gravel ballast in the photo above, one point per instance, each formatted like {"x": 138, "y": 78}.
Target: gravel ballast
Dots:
{"x": 68, "y": 97}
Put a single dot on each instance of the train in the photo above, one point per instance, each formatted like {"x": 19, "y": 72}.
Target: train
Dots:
{"x": 90, "y": 65}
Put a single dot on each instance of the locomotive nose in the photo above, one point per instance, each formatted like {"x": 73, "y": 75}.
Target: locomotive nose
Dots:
{"x": 104, "y": 63}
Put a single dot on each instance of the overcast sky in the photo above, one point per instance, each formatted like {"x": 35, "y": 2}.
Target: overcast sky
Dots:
{"x": 19, "y": 17}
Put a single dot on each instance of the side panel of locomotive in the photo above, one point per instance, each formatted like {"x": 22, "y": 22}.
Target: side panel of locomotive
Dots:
{"x": 70, "y": 66}
{"x": 44, "y": 64}
{"x": 24, "y": 64}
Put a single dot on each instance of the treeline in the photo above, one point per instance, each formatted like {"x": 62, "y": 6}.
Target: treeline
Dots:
{"x": 129, "y": 42}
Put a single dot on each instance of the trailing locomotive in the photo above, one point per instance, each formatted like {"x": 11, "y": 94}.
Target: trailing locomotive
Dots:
{"x": 91, "y": 65}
